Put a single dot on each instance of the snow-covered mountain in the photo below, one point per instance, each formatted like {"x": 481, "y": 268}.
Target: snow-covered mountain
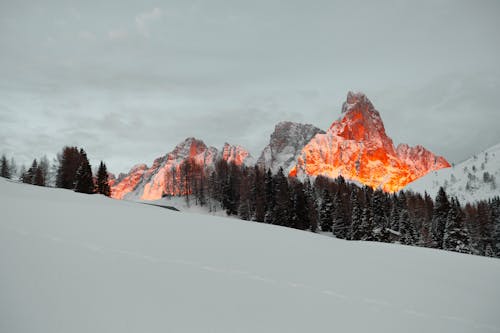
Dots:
{"x": 357, "y": 147}
{"x": 477, "y": 178}
{"x": 164, "y": 176}
{"x": 285, "y": 145}
{"x": 72, "y": 262}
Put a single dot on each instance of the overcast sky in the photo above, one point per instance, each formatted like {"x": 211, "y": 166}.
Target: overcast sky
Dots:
{"x": 128, "y": 80}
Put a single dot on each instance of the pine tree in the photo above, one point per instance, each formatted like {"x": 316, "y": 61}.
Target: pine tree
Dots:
{"x": 311, "y": 206}
{"x": 340, "y": 222}
{"x": 357, "y": 211}
{"x": 439, "y": 217}
{"x": 456, "y": 237}
{"x": 395, "y": 218}
{"x": 300, "y": 216}
{"x": 496, "y": 220}
{"x": 366, "y": 228}
{"x": 84, "y": 179}
{"x": 29, "y": 176}
{"x": 69, "y": 160}
{"x": 38, "y": 178}
{"x": 406, "y": 229}
{"x": 103, "y": 180}
{"x": 326, "y": 211}
{"x": 282, "y": 209}
{"x": 379, "y": 222}
{"x": 4, "y": 168}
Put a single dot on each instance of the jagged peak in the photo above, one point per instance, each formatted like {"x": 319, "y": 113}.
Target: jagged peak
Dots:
{"x": 137, "y": 167}
{"x": 236, "y": 154}
{"x": 358, "y": 101}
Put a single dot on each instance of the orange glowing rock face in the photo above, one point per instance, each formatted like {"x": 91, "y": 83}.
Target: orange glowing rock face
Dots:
{"x": 235, "y": 154}
{"x": 127, "y": 184}
{"x": 164, "y": 177}
{"x": 357, "y": 147}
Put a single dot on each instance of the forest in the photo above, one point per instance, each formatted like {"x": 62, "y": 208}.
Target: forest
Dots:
{"x": 343, "y": 209}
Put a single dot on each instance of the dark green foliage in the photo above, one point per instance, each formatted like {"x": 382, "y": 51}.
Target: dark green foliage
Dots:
{"x": 103, "y": 180}
{"x": 340, "y": 221}
{"x": 439, "y": 217}
{"x": 326, "y": 211}
{"x": 456, "y": 236}
{"x": 84, "y": 182}
{"x": 69, "y": 160}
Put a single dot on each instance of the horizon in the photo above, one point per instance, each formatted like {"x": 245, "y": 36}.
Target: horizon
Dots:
{"x": 129, "y": 80}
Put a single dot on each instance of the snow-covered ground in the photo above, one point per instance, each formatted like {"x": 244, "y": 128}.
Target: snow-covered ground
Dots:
{"x": 477, "y": 178}
{"x": 76, "y": 263}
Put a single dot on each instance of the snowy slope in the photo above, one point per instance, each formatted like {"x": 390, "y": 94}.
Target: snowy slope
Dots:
{"x": 466, "y": 180}
{"x": 76, "y": 263}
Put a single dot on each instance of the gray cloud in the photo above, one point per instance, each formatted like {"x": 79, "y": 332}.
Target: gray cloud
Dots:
{"x": 130, "y": 79}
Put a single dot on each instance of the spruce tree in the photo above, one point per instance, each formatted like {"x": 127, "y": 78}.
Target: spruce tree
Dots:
{"x": 357, "y": 211}
{"x": 103, "y": 180}
{"x": 456, "y": 236}
{"x": 282, "y": 207}
{"x": 69, "y": 160}
{"x": 406, "y": 229}
{"x": 366, "y": 227}
{"x": 379, "y": 222}
{"x": 439, "y": 217}
{"x": 326, "y": 211}
{"x": 4, "y": 168}
{"x": 340, "y": 222}
{"x": 38, "y": 178}
{"x": 84, "y": 179}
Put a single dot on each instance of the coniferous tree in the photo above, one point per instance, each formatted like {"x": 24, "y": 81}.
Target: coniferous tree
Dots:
{"x": 69, "y": 160}
{"x": 29, "y": 176}
{"x": 357, "y": 212}
{"x": 282, "y": 207}
{"x": 38, "y": 178}
{"x": 4, "y": 168}
{"x": 326, "y": 211}
{"x": 496, "y": 220}
{"x": 300, "y": 216}
{"x": 366, "y": 228}
{"x": 103, "y": 180}
{"x": 439, "y": 217}
{"x": 340, "y": 222}
{"x": 395, "y": 218}
{"x": 379, "y": 222}
{"x": 259, "y": 195}
{"x": 84, "y": 179}
{"x": 406, "y": 229}
{"x": 270, "y": 196}
{"x": 456, "y": 237}
{"x": 311, "y": 205}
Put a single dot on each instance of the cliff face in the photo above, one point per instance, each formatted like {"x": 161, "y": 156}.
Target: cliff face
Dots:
{"x": 357, "y": 147}
{"x": 285, "y": 145}
{"x": 164, "y": 176}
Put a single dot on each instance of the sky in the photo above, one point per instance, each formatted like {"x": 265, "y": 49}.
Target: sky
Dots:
{"x": 128, "y": 80}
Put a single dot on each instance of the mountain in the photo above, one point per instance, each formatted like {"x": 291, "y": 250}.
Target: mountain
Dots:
{"x": 477, "y": 178}
{"x": 236, "y": 154}
{"x": 285, "y": 145}
{"x": 357, "y": 147}
{"x": 80, "y": 263}
{"x": 164, "y": 176}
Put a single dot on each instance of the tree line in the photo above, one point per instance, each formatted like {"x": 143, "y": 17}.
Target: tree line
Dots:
{"x": 344, "y": 209}
{"x": 70, "y": 170}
